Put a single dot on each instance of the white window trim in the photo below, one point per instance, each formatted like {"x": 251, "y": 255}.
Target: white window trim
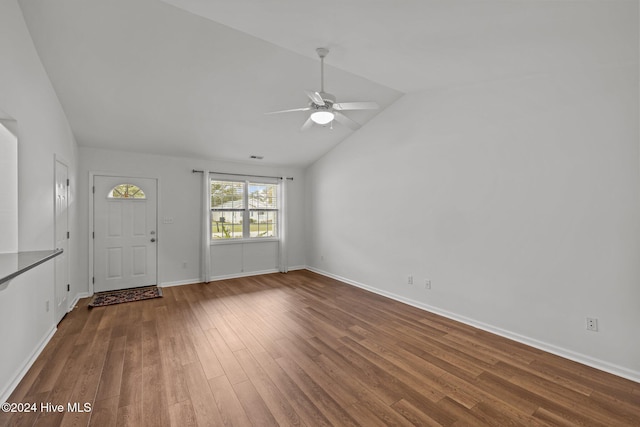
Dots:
{"x": 244, "y": 240}
{"x": 246, "y": 211}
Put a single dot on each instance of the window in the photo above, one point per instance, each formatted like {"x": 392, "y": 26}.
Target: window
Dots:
{"x": 263, "y": 210}
{"x": 126, "y": 191}
{"x": 243, "y": 209}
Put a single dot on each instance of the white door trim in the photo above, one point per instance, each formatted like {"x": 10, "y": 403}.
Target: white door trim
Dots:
{"x": 93, "y": 174}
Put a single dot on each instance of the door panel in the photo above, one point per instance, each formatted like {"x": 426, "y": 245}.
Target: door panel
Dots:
{"x": 62, "y": 240}
{"x": 115, "y": 220}
{"x": 139, "y": 224}
{"x": 125, "y": 253}
{"x": 114, "y": 261}
{"x": 139, "y": 260}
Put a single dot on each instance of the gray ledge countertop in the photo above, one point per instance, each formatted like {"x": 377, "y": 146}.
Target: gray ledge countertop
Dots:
{"x": 16, "y": 263}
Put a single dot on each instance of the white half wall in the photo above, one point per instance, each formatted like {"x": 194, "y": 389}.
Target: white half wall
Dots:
{"x": 9, "y": 187}
{"x": 519, "y": 200}
{"x": 26, "y": 95}
{"x": 179, "y": 205}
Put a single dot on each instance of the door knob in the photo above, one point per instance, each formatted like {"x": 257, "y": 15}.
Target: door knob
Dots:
{"x": 153, "y": 240}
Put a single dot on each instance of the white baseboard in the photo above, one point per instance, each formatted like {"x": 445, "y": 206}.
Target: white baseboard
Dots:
{"x": 228, "y": 276}
{"x": 602, "y": 365}
{"x": 179, "y": 283}
{"x": 22, "y": 371}
{"x": 246, "y": 274}
{"x": 78, "y": 298}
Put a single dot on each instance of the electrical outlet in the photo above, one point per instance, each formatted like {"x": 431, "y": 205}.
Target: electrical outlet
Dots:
{"x": 410, "y": 280}
{"x": 592, "y": 324}
{"x": 427, "y": 284}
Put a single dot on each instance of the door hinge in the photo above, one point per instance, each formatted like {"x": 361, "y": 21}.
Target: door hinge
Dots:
{"x": 68, "y": 234}
{"x": 93, "y": 189}
{"x": 67, "y": 182}
{"x": 93, "y": 234}
{"x": 93, "y": 280}
{"x": 68, "y": 287}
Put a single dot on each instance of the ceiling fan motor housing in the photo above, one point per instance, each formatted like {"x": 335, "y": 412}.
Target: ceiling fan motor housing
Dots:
{"x": 328, "y": 99}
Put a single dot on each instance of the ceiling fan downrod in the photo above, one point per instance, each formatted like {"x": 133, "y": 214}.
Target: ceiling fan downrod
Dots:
{"x": 322, "y": 52}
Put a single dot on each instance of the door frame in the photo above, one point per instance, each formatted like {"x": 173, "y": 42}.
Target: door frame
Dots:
{"x": 58, "y": 159}
{"x": 92, "y": 175}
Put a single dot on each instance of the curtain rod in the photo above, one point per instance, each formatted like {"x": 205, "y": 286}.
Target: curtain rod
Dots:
{"x": 290, "y": 178}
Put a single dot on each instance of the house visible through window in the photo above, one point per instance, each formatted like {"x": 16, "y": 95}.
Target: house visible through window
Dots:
{"x": 126, "y": 191}
{"x": 243, "y": 209}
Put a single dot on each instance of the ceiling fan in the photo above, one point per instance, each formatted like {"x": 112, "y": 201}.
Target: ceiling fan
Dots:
{"x": 323, "y": 106}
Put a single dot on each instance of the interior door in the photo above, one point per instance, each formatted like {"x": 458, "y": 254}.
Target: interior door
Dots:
{"x": 62, "y": 240}
{"x": 125, "y": 224}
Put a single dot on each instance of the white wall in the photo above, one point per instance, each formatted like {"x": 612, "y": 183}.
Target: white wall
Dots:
{"x": 523, "y": 207}
{"x": 9, "y": 187}
{"x": 180, "y": 199}
{"x": 27, "y": 96}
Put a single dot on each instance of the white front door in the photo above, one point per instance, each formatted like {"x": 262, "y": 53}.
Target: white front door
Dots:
{"x": 125, "y": 226}
{"x": 62, "y": 241}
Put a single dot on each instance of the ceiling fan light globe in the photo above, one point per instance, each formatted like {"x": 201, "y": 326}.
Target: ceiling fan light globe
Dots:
{"x": 322, "y": 117}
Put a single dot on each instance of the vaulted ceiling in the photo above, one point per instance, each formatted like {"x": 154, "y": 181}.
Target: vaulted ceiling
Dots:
{"x": 195, "y": 77}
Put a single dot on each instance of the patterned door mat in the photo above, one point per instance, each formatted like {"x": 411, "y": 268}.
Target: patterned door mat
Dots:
{"x": 125, "y": 295}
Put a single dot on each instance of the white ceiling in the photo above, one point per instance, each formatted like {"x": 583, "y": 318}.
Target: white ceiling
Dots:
{"x": 195, "y": 77}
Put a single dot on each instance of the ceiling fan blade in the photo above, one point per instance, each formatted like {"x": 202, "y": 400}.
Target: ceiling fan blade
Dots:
{"x": 356, "y": 106}
{"x": 288, "y": 111}
{"x": 315, "y": 97}
{"x": 344, "y": 120}
{"x": 307, "y": 125}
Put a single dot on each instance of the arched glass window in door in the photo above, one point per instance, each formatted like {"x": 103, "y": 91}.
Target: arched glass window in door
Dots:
{"x": 126, "y": 191}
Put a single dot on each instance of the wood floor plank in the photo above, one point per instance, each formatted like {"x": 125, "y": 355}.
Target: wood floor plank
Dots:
{"x": 204, "y": 407}
{"x": 173, "y": 372}
{"x": 368, "y": 413}
{"x": 86, "y": 387}
{"x": 414, "y": 415}
{"x": 232, "y": 340}
{"x": 228, "y": 361}
{"x": 321, "y": 399}
{"x": 112, "y": 372}
{"x": 155, "y": 409}
{"x": 254, "y": 406}
{"x": 280, "y": 406}
{"x": 610, "y": 404}
{"x": 239, "y": 325}
{"x": 105, "y": 413}
{"x": 206, "y": 355}
{"x": 229, "y": 405}
{"x": 303, "y": 349}
{"x": 130, "y": 416}
{"x": 56, "y": 365}
{"x": 182, "y": 414}
{"x": 502, "y": 415}
{"x": 462, "y": 414}
{"x": 306, "y": 409}
{"x": 131, "y": 384}
{"x": 412, "y": 391}
{"x": 336, "y": 389}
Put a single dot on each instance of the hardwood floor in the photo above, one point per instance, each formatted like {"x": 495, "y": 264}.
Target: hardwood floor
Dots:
{"x": 303, "y": 349}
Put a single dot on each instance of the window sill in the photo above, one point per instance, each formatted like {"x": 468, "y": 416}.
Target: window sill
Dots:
{"x": 243, "y": 241}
